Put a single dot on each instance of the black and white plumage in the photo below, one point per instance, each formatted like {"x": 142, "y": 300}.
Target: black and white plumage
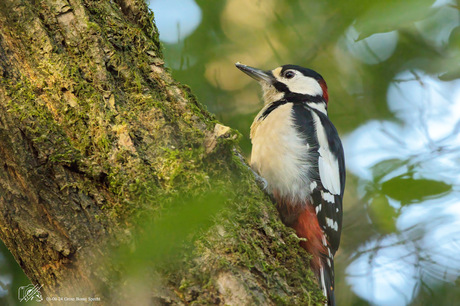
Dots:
{"x": 297, "y": 150}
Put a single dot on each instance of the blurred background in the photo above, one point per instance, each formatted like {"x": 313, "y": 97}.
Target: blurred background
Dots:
{"x": 393, "y": 71}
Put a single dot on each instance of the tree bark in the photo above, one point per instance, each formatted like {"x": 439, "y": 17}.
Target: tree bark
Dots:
{"x": 95, "y": 133}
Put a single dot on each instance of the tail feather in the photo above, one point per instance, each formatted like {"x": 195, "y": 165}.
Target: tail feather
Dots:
{"x": 316, "y": 244}
{"x": 326, "y": 278}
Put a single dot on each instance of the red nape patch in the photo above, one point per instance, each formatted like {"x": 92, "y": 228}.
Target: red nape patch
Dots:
{"x": 323, "y": 85}
{"x": 307, "y": 226}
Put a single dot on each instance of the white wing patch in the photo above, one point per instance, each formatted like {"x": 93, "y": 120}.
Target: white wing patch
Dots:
{"x": 313, "y": 185}
{"x": 328, "y": 197}
{"x": 318, "y": 208}
{"x": 327, "y": 163}
{"x": 332, "y": 224}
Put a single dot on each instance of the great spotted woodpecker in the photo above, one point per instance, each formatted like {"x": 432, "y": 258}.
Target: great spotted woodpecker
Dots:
{"x": 297, "y": 150}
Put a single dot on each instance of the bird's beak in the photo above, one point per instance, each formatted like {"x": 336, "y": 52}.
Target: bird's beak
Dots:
{"x": 257, "y": 74}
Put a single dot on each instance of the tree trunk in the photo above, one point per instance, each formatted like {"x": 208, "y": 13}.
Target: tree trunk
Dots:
{"x": 96, "y": 135}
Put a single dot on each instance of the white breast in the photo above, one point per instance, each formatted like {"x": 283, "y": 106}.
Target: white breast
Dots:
{"x": 280, "y": 155}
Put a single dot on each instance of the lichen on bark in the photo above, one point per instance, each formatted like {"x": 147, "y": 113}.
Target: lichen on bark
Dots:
{"x": 97, "y": 137}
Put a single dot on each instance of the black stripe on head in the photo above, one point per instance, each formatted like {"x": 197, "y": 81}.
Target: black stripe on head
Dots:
{"x": 296, "y": 97}
{"x": 271, "y": 108}
{"x": 300, "y": 98}
{"x": 281, "y": 87}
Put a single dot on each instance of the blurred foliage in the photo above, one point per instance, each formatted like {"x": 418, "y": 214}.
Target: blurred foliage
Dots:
{"x": 407, "y": 190}
{"x": 309, "y": 33}
{"x": 162, "y": 240}
{"x": 359, "y": 47}
{"x": 163, "y": 244}
{"x": 10, "y": 271}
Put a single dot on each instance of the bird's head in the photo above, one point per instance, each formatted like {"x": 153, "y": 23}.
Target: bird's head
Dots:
{"x": 290, "y": 82}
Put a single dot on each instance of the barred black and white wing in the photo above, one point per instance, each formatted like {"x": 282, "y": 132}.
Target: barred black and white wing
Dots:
{"x": 327, "y": 183}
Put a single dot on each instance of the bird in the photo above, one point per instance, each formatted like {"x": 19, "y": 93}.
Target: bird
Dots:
{"x": 297, "y": 151}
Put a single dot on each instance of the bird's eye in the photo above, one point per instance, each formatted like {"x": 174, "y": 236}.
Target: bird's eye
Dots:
{"x": 289, "y": 74}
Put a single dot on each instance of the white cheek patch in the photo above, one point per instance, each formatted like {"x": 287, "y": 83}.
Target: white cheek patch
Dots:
{"x": 301, "y": 84}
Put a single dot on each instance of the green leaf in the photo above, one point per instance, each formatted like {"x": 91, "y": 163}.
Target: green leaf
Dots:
{"x": 408, "y": 190}
{"x": 164, "y": 239}
{"x": 385, "y": 167}
{"x": 383, "y": 216}
{"x": 386, "y": 16}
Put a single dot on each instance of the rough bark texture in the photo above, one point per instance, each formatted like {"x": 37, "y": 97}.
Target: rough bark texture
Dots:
{"x": 94, "y": 133}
